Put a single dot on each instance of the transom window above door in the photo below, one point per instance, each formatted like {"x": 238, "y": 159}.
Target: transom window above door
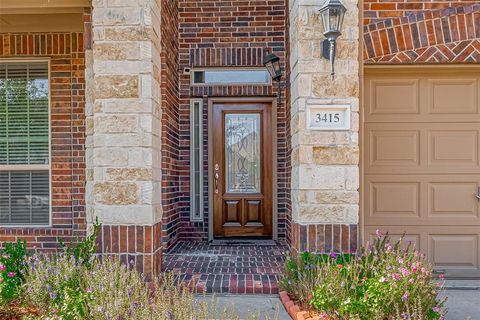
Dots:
{"x": 24, "y": 143}
{"x": 231, "y": 76}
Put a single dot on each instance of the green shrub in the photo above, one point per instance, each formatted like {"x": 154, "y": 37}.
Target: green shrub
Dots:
{"x": 68, "y": 290}
{"x": 12, "y": 269}
{"x": 384, "y": 281}
{"x": 84, "y": 251}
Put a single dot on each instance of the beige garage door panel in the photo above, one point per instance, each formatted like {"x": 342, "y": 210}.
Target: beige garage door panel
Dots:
{"x": 421, "y": 160}
{"x": 431, "y": 97}
{"x": 428, "y": 148}
{"x": 446, "y": 248}
{"x": 413, "y": 200}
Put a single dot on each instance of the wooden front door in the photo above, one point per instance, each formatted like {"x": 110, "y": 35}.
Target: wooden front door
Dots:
{"x": 242, "y": 169}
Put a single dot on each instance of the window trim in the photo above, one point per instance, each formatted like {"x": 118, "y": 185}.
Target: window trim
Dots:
{"x": 193, "y": 218}
{"x": 193, "y": 83}
{"x": 27, "y": 167}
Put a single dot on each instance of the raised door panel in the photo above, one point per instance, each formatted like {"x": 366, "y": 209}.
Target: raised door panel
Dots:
{"x": 232, "y": 213}
{"x": 391, "y": 148}
{"x": 452, "y": 96}
{"x": 453, "y": 200}
{"x": 456, "y": 250}
{"x": 453, "y": 147}
{"x": 393, "y": 199}
{"x": 393, "y": 96}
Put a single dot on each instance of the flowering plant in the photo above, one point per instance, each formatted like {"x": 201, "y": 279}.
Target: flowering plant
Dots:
{"x": 12, "y": 269}
{"x": 383, "y": 281}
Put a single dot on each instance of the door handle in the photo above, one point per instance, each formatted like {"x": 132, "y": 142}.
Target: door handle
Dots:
{"x": 478, "y": 194}
{"x": 216, "y": 177}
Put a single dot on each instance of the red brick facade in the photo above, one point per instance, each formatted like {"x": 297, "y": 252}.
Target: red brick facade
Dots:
{"x": 67, "y": 116}
{"x": 229, "y": 34}
{"x": 325, "y": 237}
{"x": 437, "y": 36}
{"x": 136, "y": 245}
{"x": 170, "y": 122}
{"x": 378, "y": 10}
{"x": 208, "y": 33}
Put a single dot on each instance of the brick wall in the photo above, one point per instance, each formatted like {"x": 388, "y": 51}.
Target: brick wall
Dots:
{"x": 67, "y": 92}
{"x": 433, "y": 32}
{"x": 170, "y": 122}
{"x": 377, "y": 10}
{"x": 223, "y": 34}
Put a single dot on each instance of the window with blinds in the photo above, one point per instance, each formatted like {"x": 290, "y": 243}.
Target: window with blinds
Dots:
{"x": 24, "y": 144}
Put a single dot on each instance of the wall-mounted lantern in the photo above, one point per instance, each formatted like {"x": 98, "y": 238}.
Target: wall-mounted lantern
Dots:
{"x": 272, "y": 62}
{"x": 332, "y": 15}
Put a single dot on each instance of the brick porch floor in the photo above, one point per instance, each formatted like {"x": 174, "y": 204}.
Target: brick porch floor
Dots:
{"x": 228, "y": 268}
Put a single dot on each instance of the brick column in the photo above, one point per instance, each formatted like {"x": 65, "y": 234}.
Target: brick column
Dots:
{"x": 123, "y": 130}
{"x": 325, "y": 170}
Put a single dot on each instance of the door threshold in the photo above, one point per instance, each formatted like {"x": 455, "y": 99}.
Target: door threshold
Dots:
{"x": 243, "y": 242}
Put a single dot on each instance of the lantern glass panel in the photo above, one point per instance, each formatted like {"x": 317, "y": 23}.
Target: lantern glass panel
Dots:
{"x": 270, "y": 69}
{"x": 325, "y": 16}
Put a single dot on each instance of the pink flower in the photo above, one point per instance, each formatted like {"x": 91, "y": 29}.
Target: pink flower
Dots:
{"x": 397, "y": 276}
{"x": 89, "y": 290}
{"x": 436, "y": 309}
{"x": 2, "y": 267}
{"x": 400, "y": 260}
{"x": 404, "y": 272}
{"x": 442, "y": 277}
{"x": 55, "y": 310}
{"x": 339, "y": 266}
{"x": 11, "y": 274}
{"x": 1, "y": 280}
{"x": 378, "y": 233}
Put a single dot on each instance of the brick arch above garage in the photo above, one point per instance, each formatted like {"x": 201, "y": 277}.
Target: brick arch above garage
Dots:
{"x": 449, "y": 35}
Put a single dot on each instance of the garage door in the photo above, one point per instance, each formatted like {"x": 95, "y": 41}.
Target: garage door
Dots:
{"x": 421, "y": 143}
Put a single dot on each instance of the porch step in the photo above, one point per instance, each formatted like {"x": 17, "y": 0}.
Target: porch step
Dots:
{"x": 236, "y": 268}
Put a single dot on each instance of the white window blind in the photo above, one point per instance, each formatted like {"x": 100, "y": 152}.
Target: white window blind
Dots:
{"x": 24, "y": 144}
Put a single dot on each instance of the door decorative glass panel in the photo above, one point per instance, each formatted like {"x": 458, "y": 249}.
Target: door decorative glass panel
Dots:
{"x": 242, "y": 151}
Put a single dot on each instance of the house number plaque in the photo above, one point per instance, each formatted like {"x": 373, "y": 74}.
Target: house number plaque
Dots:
{"x": 328, "y": 117}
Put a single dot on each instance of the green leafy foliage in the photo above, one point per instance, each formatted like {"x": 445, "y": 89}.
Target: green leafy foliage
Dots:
{"x": 12, "y": 269}
{"x": 383, "y": 281}
{"x": 84, "y": 251}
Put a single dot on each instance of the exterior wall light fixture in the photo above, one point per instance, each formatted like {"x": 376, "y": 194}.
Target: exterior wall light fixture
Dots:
{"x": 272, "y": 62}
{"x": 332, "y": 15}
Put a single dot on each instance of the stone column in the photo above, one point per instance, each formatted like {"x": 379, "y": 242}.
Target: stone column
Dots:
{"x": 123, "y": 130}
{"x": 325, "y": 163}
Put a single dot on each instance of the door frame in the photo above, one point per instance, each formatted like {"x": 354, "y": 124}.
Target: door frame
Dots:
{"x": 273, "y": 102}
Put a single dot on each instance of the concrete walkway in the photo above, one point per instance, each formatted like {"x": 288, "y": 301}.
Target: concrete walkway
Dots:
{"x": 462, "y": 304}
{"x": 258, "y": 306}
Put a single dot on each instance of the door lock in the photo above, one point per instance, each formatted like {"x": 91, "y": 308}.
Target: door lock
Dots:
{"x": 216, "y": 176}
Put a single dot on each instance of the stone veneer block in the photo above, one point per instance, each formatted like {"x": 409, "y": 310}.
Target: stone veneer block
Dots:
{"x": 124, "y": 130}
{"x": 325, "y": 172}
